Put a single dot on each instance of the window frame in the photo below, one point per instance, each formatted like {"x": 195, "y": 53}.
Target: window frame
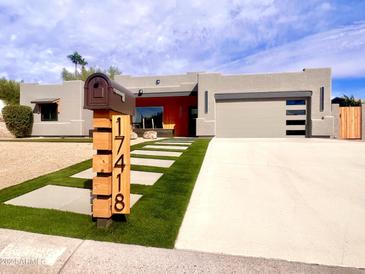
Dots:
{"x": 206, "y": 102}
{"x": 296, "y": 122}
{"x": 302, "y": 102}
{"x": 296, "y": 112}
{"x": 321, "y": 99}
{"x": 43, "y": 109}
{"x": 146, "y": 107}
{"x": 296, "y": 132}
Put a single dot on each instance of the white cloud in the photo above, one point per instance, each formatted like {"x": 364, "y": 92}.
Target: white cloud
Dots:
{"x": 342, "y": 49}
{"x": 152, "y": 37}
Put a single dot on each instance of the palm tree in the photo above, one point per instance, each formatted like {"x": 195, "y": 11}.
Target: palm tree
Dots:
{"x": 82, "y": 62}
{"x": 76, "y": 58}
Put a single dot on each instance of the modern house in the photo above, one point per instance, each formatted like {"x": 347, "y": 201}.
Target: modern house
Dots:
{"x": 200, "y": 104}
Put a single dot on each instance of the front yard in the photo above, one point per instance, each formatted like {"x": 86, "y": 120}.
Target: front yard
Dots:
{"x": 154, "y": 221}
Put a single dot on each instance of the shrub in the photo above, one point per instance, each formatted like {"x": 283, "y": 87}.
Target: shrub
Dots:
{"x": 350, "y": 101}
{"x": 18, "y": 120}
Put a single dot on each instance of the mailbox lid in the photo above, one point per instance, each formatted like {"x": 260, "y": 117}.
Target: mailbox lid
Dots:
{"x": 122, "y": 99}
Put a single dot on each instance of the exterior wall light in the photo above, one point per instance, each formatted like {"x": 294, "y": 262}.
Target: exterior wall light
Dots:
{"x": 158, "y": 81}
{"x": 140, "y": 92}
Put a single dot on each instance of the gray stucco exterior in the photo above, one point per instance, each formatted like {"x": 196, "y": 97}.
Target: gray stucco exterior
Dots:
{"x": 336, "y": 120}
{"x": 171, "y": 85}
{"x": 73, "y": 120}
{"x": 267, "y": 92}
{"x": 321, "y": 123}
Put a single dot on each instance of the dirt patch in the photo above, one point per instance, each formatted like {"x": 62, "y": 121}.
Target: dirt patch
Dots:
{"x": 21, "y": 161}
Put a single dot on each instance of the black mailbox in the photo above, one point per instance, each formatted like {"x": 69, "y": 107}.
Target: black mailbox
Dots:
{"x": 102, "y": 93}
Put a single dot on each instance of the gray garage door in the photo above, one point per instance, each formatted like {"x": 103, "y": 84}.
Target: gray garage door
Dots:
{"x": 261, "y": 118}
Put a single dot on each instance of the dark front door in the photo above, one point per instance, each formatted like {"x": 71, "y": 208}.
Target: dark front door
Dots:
{"x": 193, "y": 114}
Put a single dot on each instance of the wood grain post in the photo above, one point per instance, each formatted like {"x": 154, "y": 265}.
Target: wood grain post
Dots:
{"x": 111, "y": 186}
{"x": 102, "y": 165}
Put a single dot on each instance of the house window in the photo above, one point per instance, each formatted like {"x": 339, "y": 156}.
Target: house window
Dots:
{"x": 206, "y": 101}
{"x": 148, "y": 117}
{"x": 295, "y": 122}
{"x": 49, "y": 112}
{"x": 295, "y": 102}
{"x": 295, "y": 112}
{"x": 321, "y": 100}
{"x": 295, "y": 132}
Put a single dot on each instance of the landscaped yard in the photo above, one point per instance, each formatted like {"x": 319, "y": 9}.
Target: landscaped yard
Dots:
{"x": 154, "y": 221}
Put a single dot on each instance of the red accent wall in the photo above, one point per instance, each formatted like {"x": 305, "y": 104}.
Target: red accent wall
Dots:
{"x": 175, "y": 110}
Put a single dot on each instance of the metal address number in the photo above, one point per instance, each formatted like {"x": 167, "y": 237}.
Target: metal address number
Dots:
{"x": 119, "y": 198}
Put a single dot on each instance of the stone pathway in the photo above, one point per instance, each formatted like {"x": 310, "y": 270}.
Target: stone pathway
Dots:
{"x": 137, "y": 177}
{"x": 62, "y": 198}
{"x": 177, "y": 140}
{"x": 173, "y": 143}
{"x": 156, "y": 153}
{"x": 164, "y": 147}
{"x": 151, "y": 162}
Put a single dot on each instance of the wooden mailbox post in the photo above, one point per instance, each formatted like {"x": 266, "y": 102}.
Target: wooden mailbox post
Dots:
{"x": 113, "y": 106}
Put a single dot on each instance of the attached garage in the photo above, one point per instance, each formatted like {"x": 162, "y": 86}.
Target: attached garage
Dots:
{"x": 262, "y": 115}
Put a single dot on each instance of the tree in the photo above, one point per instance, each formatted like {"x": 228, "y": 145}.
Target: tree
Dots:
{"x": 9, "y": 91}
{"x": 86, "y": 72}
{"x": 76, "y": 58}
{"x": 350, "y": 101}
{"x": 67, "y": 76}
{"x": 112, "y": 71}
{"x": 83, "y": 63}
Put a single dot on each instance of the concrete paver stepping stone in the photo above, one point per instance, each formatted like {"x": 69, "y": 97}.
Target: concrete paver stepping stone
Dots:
{"x": 156, "y": 153}
{"x": 162, "y": 147}
{"x": 62, "y": 198}
{"x": 137, "y": 177}
{"x": 144, "y": 177}
{"x": 151, "y": 162}
{"x": 179, "y": 140}
{"x": 173, "y": 143}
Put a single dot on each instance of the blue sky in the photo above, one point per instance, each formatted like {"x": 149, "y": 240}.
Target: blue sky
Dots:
{"x": 167, "y": 37}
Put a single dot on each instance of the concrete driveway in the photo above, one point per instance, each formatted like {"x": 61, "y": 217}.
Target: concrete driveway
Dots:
{"x": 292, "y": 199}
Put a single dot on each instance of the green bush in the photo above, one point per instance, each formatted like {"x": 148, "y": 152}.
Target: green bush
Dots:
{"x": 18, "y": 120}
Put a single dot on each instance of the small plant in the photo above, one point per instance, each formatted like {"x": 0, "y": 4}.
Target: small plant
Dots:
{"x": 18, "y": 120}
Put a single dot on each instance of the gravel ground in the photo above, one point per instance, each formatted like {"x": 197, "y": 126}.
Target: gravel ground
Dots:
{"x": 21, "y": 161}
{"x": 4, "y": 131}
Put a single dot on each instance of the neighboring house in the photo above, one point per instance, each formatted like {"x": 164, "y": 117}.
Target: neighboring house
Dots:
{"x": 58, "y": 109}
{"x": 205, "y": 104}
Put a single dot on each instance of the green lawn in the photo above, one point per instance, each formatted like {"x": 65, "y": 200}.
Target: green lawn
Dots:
{"x": 154, "y": 220}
